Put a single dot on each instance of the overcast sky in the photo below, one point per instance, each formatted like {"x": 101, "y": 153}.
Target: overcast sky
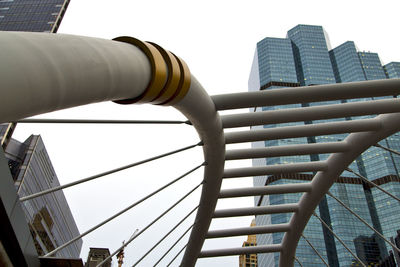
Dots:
{"x": 217, "y": 40}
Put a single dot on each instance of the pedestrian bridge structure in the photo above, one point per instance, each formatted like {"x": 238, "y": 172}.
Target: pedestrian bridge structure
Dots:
{"x": 41, "y": 73}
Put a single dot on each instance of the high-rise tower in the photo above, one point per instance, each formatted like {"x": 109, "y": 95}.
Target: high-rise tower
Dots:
{"x": 32, "y": 15}
{"x": 305, "y": 58}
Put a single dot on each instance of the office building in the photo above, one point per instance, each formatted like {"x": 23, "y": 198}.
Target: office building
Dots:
{"x": 96, "y": 256}
{"x": 305, "y": 58}
{"x": 32, "y": 15}
{"x": 49, "y": 217}
{"x": 393, "y": 260}
{"x": 392, "y": 70}
{"x": 249, "y": 260}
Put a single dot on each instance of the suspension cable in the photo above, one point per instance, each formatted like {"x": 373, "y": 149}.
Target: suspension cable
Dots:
{"x": 298, "y": 261}
{"x": 362, "y": 220}
{"x": 121, "y": 212}
{"x": 88, "y": 121}
{"x": 47, "y": 191}
{"x": 180, "y": 251}
{"x": 387, "y": 149}
{"x": 340, "y": 240}
{"x": 315, "y": 250}
{"x": 176, "y": 242}
{"x": 165, "y": 236}
{"x": 150, "y": 224}
{"x": 373, "y": 184}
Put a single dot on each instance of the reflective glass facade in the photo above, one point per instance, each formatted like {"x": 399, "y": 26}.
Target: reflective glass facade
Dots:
{"x": 392, "y": 70}
{"x": 276, "y": 62}
{"x": 311, "y": 53}
{"x": 32, "y": 15}
{"x": 346, "y": 64}
{"x": 308, "y": 62}
{"x": 372, "y": 66}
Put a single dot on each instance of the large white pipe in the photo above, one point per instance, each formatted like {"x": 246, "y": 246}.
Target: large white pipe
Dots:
{"x": 42, "y": 72}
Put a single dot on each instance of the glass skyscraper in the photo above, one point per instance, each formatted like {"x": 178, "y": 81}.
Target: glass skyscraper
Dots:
{"x": 305, "y": 58}
{"x": 32, "y": 15}
{"x": 392, "y": 70}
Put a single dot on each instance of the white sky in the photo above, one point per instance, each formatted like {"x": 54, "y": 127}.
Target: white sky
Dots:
{"x": 217, "y": 40}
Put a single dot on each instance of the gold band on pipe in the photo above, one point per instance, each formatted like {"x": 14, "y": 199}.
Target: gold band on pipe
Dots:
{"x": 158, "y": 71}
{"x": 170, "y": 79}
{"x": 174, "y": 75}
{"x": 184, "y": 83}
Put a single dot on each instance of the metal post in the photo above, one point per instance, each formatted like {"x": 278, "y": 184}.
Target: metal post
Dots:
{"x": 103, "y": 121}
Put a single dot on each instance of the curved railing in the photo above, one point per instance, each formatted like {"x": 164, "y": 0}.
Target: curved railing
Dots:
{"x": 362, "y": 134}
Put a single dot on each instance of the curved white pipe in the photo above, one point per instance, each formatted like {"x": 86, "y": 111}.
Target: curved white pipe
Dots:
{"x": 198, "y": 107}
{"x": 42, "y": 72}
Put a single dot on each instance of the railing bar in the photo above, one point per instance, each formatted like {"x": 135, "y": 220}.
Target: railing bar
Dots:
{"x": 373, "y": 184}
{"x": 315, "y": 250}
{"x": 44, "y": 192}
{"x": 289, "y": 150}
{"x": 180, "y": 251}
{"x": 176, "y": 242}
{"x": 326, "y": 128}
{"x": 120, "y": 213}
{"x": 296, "y": 259}
{"x": 150, "y": 224}
{"x": 241, "y": 250}
{"x": 265, "y": 190}
{"x": 388, "y": 149}
{"x": 275, "y": 169}
{"x": 362, "y": 220}
{"x": 308, "y": 94}
{"x": 165, "y": 236}
{"x": 85, "y": 121}
{"x": 325, "y": 112}
{"x": 340, "y": 240}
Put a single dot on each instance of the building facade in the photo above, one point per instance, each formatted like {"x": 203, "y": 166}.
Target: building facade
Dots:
{"x": 32, "y": 15}
{"x": 305, "y": 58}
{"x": 96, "y": 256}
{"x": 49, "y": 217}
{"x": 249, "y": 260}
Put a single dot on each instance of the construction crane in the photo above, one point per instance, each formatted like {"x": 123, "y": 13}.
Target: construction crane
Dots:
{"x": 120, "y": 255}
